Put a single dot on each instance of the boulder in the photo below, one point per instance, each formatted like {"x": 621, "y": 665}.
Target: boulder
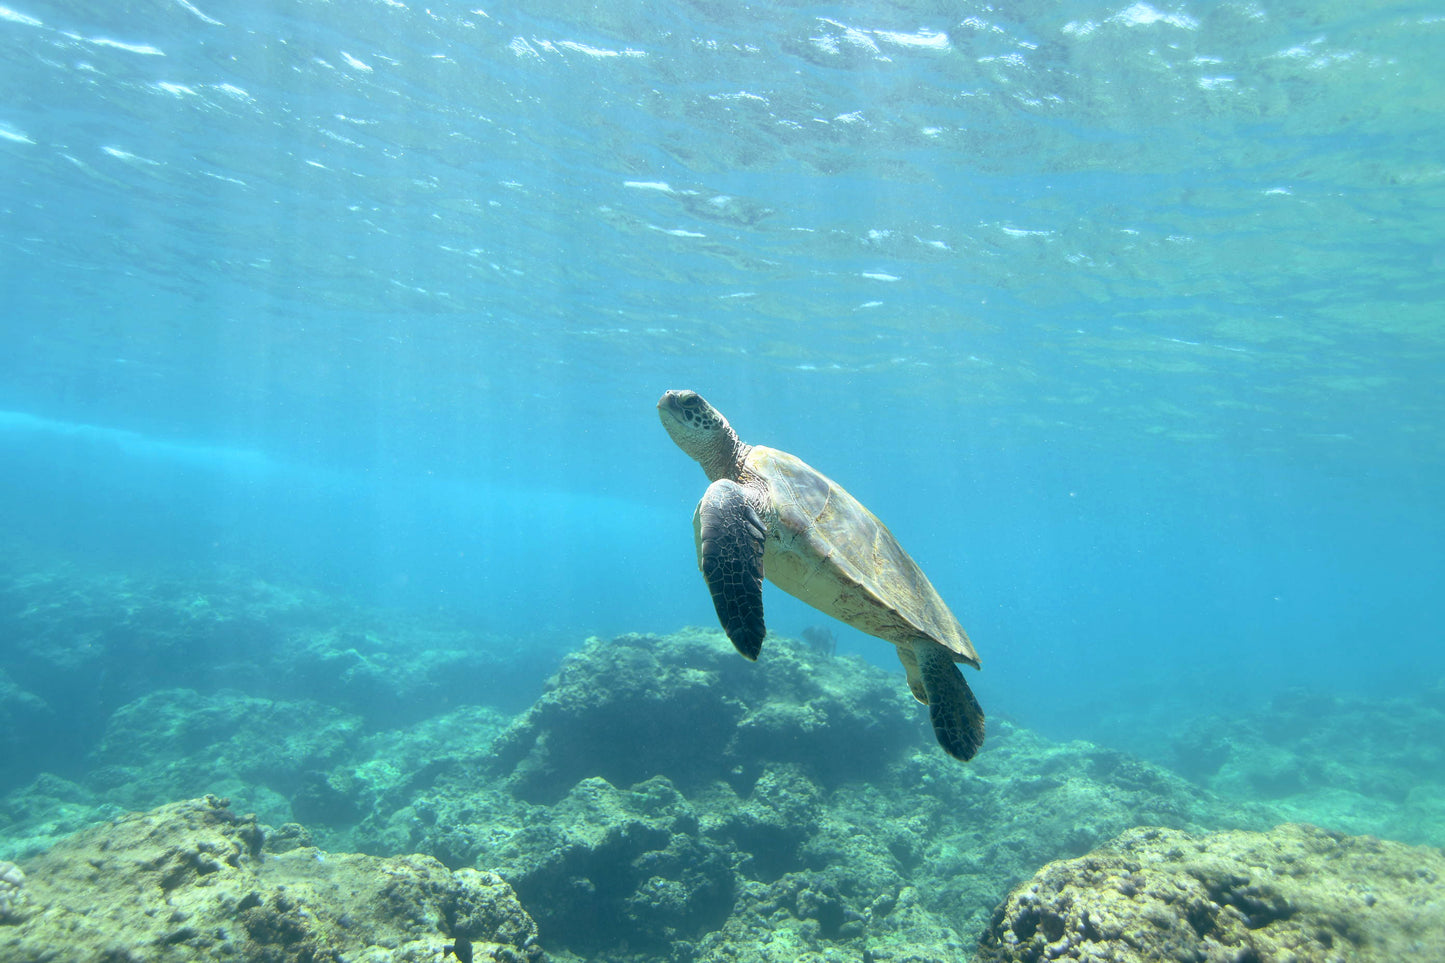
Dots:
{"x": 1296, "y": 893}
{"x": 687, "y": 706}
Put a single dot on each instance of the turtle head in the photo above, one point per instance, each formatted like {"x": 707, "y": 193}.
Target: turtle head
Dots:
{"x": 700, "y": 430}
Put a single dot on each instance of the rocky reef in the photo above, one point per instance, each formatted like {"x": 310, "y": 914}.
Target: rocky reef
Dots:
{"x": 12, "y": 892}
{"x": 194, "y": 880}
{"x": 127, "y": 691}
{"x": 658, "y": 797}
{"x": 665, "y": 798}
{"x": 121, "y": 638}
{"x": 1357, "y": 764}
{"x": 1296, "y": 893}
{"x": 702, "y": 714}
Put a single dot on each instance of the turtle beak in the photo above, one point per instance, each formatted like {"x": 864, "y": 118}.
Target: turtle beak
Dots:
{"x": 669, "y": 412}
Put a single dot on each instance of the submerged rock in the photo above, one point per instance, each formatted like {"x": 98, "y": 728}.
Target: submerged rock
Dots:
{"x": 12, "y": 893}
{"x": 122, "y": 638}
{"x": 667, "y": 799}
{"x": 805, "y": 918}
{"x": 607, "y": 868}
{"x": 193, "y": 880}
{"x": 687, "y": 706}
{"x": 1357, "y": 764}
{"x": 1296, "y": 893}
{"x": 224, "y": 743}
{"x": 46, "y": 811}
{"x": 664, "y": 799}
{"x": 26, "y": 723}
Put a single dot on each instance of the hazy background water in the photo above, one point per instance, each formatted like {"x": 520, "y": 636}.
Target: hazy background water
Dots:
{"x": 1126, "y": 318}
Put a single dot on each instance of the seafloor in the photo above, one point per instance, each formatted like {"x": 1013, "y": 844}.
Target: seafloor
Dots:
{"x": 394, "y": 786}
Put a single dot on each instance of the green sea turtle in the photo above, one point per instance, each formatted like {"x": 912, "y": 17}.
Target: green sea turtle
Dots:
{"x": 768, "y": 513}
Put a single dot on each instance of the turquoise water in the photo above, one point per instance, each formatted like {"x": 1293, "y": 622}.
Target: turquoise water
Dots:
{"x": 1127, "y": 319}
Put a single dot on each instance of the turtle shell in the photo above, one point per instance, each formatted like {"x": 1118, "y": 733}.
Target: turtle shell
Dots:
{"x": 826, "y": 549}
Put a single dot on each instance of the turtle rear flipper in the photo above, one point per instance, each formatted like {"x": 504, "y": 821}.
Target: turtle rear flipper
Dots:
{"x": 730, "y": 553}
{"x": 955, "y": 713}
{"x": 910, "y": 667}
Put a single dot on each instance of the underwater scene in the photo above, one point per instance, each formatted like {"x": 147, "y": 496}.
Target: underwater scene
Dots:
{"x": 1059, "y": 388}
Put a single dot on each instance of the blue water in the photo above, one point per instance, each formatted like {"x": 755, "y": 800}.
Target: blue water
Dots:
{"x": 1129, "y": 320}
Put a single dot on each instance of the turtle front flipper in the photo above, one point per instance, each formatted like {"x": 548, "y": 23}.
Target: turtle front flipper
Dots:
{"x": 955, "y": 713}
{"x": 730, "y": 553}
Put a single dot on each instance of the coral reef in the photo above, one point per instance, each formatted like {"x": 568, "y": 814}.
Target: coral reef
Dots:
{"x": 286, "y": 761}
{"x": 703, "y": 713}
{"x": 662, "y": 798}
{"x": 46, "y": 811}
{"x": 1359, "y": 765}
{"x": 23, "y": 716}
{"x": 645, "y": 872}
{"x": 121, "y": 638}
{"x": 1295, "y": 893}
{"x": 756, "y": 847}
{"x": 820, "y": 639}
{"x": 268, "y": 750}
{"x": 193, "y": 880}
{"x": 610, "y": 868}
{"x": 12, "y": 892}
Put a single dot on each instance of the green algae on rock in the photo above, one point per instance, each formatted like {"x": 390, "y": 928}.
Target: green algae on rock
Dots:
{"x": 661, "y": 801}
{"x": 123, "y": 637}
{"x": 22, "y": 715}
{"x": 1294, "y": 893}
{"x": 609, "y": 868}
{"x": 740, "y": 838}
{"x": 12, "y": 893}
{"x": 192, "y": 880}
{"x": 224, "y": 743}
{"x": 699, "y": 714}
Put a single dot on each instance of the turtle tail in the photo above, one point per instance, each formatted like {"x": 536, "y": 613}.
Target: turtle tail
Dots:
{"x": 956, "y": 715}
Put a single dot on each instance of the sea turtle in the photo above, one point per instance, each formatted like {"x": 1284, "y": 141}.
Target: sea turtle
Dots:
{"x": 768, "y": 513}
